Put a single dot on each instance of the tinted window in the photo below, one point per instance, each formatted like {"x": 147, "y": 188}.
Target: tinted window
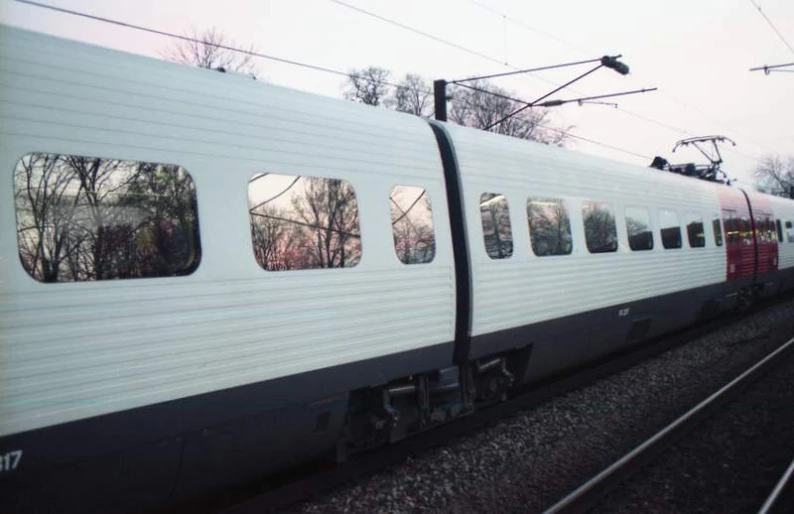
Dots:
{"x": 670, "y": 228}
{"x": 549, "y": 227}
{"x": 638, "y": 226}
{"x": 90, "y": 218}
{"x": 789, "y": 232}
{"x": 412, "y": 225}
{"x": 779, "y": 231}
{"x": 732, "y": 228}
{"x": 715, "y": 223}
{"x": 303, "y": 222}
{"x": 745, "y": 231}
{"x": 600, "y": 232}
{"x": 496, "y": 229}
{"x": 695, "y": 231}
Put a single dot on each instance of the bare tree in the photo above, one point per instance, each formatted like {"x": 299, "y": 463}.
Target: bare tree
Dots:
{"x": 486, "y": 105}
{"x": 775, "y": 176}
{"x": 367, "y": 86}
{"x": 413, "y": 95}
{"x": 210, "y": 49}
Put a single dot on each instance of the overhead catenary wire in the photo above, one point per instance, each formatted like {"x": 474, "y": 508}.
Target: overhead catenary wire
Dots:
{"x": 261, "y": 55}
{"x": 581, "y": 50}
{"x": 763, "y": 14}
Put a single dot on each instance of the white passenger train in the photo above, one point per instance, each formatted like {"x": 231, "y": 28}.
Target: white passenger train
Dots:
{"x": 205, "y": 279}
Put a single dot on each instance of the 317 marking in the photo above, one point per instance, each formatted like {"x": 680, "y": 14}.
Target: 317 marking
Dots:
{"x": 10, "y": 460}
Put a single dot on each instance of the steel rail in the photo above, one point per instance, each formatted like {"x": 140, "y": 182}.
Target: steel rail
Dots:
{"x": 776, "y": 502}
{"x": 584, "y": 497}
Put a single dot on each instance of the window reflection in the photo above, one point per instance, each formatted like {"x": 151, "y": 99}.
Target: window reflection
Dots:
{"x": 412, "y": 225}
{"x": 88, "y": 218}
{"x": 670, "y": 228}
{"x": 549, "y": 227}
{"x": 695, "y": 230}
{"x": 638, "y": 226}
{"x": 600, "y": 232}
{"x": 496, "y": 227}
{"x": 303, "y": 222}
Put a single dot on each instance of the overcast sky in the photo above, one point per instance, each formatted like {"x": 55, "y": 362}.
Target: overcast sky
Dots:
{"x": 697, "y": 52}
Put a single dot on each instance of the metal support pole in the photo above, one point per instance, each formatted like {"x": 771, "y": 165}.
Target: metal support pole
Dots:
{"x": 440, "y": 96}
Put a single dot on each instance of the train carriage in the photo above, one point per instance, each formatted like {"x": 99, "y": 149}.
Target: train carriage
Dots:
{"x": 205, "y": 279}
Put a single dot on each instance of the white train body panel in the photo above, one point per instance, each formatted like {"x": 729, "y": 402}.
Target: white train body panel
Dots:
{"x": 74, "y": 350}
{"x": 526, "y": 289}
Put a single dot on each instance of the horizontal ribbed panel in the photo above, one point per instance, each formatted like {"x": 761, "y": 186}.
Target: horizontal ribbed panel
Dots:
{"x": 74, "y": 350}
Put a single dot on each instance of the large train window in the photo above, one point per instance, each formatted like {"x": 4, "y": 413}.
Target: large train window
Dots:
{"x": 695, "y": 230}
{"x": 496, "y": 228}
{"x": 715, "y": 223}
{"x": 90, "y": 218}
{"x": 600, "y": 232}
{"x": 789, "y": 232}
{"x": 549, "y": 227}
{"x": 303, "y": 222}
{"x": 746, "y": 231}
{"x": 638, "y": 226}
{"x": 670, "y": 229}
{"x": 412, "y": 225}
{"x": 779, "y": 231}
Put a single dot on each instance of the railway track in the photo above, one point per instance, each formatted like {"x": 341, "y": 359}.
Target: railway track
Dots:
{"x": 317, "y": 479}
{"x": 588, "y": 495}
{"x": 781, "y": 499}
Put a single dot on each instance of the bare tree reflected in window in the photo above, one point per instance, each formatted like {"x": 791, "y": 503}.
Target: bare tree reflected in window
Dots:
{"x": 638, "y": 228}
{"x": 549, "y": 227}
{"x": 600, "y": 232}
{"x": 496, "y": 228}
{"x": 412, "y": 225}
{"x": 303, "y": 222}
{"x": 87, "y": 218}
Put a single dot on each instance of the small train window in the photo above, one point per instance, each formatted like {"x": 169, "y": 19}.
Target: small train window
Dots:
{"x": 89, "y": 218}
{"x": 789, "y": 232}
{"x": 600, "y": 231}
{"x": 695, "y": 230}
{"x": 779, "y": 231}
{"x": 412, "y": 225}
{"x": 638, "y": 227}
{"x": 715, "y": 223}
{"x": 670, "y": 229}
{"x": 496, "y": 229}
{"x": 303, "y": 222}
{"x": 549, "y": 227}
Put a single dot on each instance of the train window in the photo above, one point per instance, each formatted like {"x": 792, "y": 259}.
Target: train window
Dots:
{"x": 549, "y": 227}
{"x": 303, "y": 222}
{"x": 769, "y": 227}
{"x": 638, "y": 226}
{"x": 715, "y": 223}
{"x": 695, "y": 230}
{"x": 760, "y": 229}
{"x": 90, "y": 218}
{"x": 732, "y": 228}
{"x": 496, "y": 228}
{"x": 412, "y": 225}
{"x": 745, "y": 231}
{"x": 789, "y": 232}
{"x": 600, "y": 232}
{"x": 779, "y": 231}
{"x": 670, "y": 228}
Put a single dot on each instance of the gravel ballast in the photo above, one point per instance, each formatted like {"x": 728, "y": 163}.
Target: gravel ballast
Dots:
{"x": 527, "y": 462}
{"x": 728, "y": 463}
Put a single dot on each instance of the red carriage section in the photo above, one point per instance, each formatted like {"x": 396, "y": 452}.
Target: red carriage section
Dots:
{"x": 750, "y": 242}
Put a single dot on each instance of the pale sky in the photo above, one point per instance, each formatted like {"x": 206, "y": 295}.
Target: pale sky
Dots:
{"x": 697, "y": 52}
